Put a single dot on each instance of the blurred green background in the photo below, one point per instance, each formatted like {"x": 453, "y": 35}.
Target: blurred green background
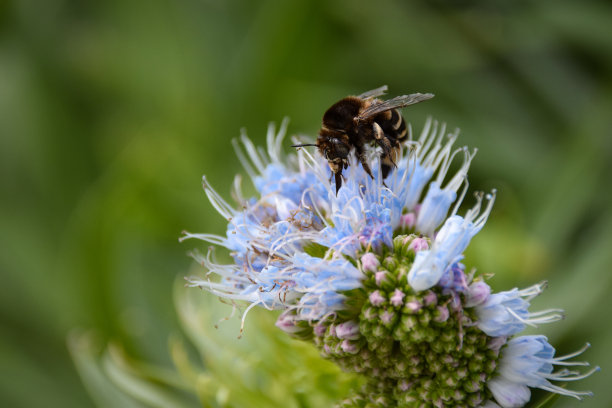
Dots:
{"x": 110, "y": 112}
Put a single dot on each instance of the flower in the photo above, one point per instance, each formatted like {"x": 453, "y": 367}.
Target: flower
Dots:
{"x": 528, "y": 361}
{"x": 506, "y": 313}
{"x": 372, "y": 274}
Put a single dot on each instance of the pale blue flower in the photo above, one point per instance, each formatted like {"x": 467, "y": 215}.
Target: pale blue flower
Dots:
{"x": 528, "y": 361}
{"x": 506, "y": 313}
{"x": 448, "y": 246}
{"x": 414, "y": 171}
{"x": 438, "y": 200}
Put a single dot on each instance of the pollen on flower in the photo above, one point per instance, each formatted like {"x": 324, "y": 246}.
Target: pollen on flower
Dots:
{"x": 372, "y": 275}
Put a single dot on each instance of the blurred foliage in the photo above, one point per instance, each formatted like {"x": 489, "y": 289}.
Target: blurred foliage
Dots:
{"x": 281, "y": 373}
{"x": 110, "y": 111}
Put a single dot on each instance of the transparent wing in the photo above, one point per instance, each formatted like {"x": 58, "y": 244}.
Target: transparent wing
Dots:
{"x": 374, "y": 93}
{"x": 395, "y": 103}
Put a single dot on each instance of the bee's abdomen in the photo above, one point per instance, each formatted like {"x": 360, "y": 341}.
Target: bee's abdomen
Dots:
{"x": 399, "y": 126}
{"x": 393, "y": 124}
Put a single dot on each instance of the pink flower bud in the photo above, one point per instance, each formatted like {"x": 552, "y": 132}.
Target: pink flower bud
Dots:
{"x": 376, "y": 298}
{"x": 349, "y": 347}
{"x": 369, "y": 262}
{"x": 442, "y": 315}
{"x": 348, "y": 330}
{"x": 407, "y": 220}
{"x": 477, "y": 293}
{"x": 287, "y": 322}
{"x": 404, "y": 385}
{"x": 496, "y": 343}
{"x": 397, "y": 298}
{"x": 430, "y": 298}
{"x": 370, "y": 313}
{"x": 363, "y": 240}
{"x": 419, "y": 244}
{"x": 319, "y": 330}
{"x": 455, "y": 303}
{"x": 413, "y": 306}
{"x": 380, "y": 277}
{"x": 387, "y": 316}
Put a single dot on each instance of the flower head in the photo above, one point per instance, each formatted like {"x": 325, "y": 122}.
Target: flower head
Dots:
{"x": 372, "y": 274}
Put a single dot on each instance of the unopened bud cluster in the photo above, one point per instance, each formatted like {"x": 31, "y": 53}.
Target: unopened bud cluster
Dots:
{"x": 415, "y": 348}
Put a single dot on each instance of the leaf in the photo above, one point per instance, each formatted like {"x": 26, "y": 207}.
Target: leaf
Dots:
{"x": 84, "y": 350}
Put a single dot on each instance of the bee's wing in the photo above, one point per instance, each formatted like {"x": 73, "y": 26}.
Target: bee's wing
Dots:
{"x": 374, "y": 93}
{"x": 395, "y": 103}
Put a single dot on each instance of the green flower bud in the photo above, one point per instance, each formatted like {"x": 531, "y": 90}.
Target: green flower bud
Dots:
{"x": 390, "y": 263}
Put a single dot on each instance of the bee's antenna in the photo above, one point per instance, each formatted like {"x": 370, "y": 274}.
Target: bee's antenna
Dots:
{"x": 304, "y": 145}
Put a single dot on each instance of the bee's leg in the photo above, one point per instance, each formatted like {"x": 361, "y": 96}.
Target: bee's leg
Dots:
{"x": 382, "y": 140}
{"x": 361, "y": 156}
{"x": 385, "y": 165}
{"x": 338, "y": 177}
{"x": 387, "y": 162}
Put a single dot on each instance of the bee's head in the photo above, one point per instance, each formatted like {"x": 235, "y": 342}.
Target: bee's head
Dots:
{"x": 336, "y": 152}
{"x": 335, "y": 148}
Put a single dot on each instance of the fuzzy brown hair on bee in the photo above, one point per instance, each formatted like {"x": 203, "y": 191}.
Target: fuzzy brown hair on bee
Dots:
{"x": 355, "y": 122}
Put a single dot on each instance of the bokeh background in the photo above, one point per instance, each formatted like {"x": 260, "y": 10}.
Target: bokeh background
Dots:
{"x": 110, "y": 112}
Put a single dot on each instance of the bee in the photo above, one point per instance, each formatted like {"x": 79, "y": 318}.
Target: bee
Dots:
{"x": 357, "y": 121}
